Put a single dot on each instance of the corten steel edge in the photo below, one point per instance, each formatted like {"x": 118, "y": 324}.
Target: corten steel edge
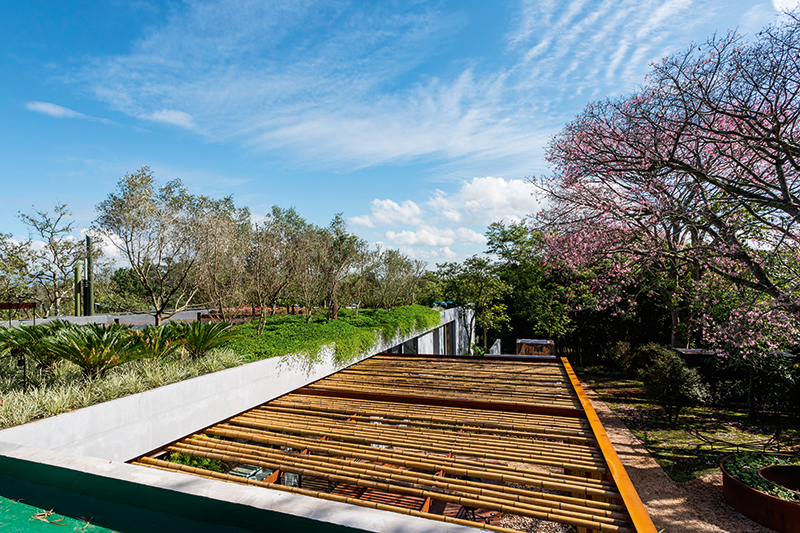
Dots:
{"x": 641, "y": 519}
{"x": 423, "y": 435}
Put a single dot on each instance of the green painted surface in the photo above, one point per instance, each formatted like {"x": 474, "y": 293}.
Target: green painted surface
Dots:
{"x": 18, "y": 517}
{"x": 134, "y": 508}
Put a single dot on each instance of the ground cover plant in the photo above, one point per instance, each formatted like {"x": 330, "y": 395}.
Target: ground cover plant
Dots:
{"x": 350, "y": 335}
{"x": 66, "y": 387}
{"x": 701, "y": 437}
{"x": 745, "y": 467}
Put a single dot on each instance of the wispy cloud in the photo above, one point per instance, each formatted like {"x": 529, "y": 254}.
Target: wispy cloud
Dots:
{"x": 334, "y": 84}
{"x": 57, "y": 111}
{"x": 173, "y": 117}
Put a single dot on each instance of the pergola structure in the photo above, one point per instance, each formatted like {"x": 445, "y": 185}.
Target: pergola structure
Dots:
{"x": 458, "y": 439}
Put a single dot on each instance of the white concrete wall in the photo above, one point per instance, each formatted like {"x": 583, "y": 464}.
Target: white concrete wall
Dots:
{"x": 125, "y": 428}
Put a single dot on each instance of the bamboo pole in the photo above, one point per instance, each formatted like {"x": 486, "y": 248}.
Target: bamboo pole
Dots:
{"x": 397, "y": 482}
{"x": 370, "y": 426}
{"x": 570, "y": 518}
{"x": 164, "y": 465}
{"x": 474, "y": 451}
{"x": 401, "y": 437}
{"x": 530, "y": 394}
{"x": 420, "y": 412}
{"x": 568, "y": 437}
{"x": 463, "y": 395}
{"x": 482, "y": 414}
{"x": 577, "y": 485}
{"x": 561, "y": 502}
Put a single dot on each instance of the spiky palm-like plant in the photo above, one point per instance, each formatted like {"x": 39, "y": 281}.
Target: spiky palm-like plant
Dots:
{"x": 28, "y": 340}
{"x": 198, "y": 338}
{"x": 95, "y": 347}
{"x": 157, "y": 342}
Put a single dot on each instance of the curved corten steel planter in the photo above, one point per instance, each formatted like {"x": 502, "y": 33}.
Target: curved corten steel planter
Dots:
{"x": 781, "y": 515}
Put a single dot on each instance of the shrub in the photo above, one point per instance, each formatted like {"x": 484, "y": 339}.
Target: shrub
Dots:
{"x": 619, "y": 355}
{"x": 29, "y": 341}
{"x": 642, "y": 356}
{"x": 95, "y": 347}
{"x": 157, "y": 342}
{"x": 199, "y": 338}
{"x": 671, "y": 383}
{"x": 197, "y": 462}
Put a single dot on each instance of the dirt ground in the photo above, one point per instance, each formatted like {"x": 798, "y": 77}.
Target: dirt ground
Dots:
{"x": 694, "y": 506}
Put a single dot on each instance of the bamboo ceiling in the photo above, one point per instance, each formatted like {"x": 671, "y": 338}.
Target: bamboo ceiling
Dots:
{"x": 457, "y": 439}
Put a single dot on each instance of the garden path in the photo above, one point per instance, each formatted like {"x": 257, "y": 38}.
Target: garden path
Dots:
{"x": 694, "y": 506}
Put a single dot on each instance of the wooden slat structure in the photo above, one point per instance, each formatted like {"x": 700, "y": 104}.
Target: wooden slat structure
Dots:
{"x": 456, "y": 439}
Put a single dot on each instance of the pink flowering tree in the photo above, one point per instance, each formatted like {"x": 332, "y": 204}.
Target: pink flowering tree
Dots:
{"x": 694, "y": 174}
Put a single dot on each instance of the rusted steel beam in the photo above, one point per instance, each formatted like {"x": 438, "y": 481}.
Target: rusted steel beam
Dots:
{"x": 472, "y": 358}
{"x": 425, "y": 400}
{"x": 641, "y": 519}
{"x": 24, "y": 305}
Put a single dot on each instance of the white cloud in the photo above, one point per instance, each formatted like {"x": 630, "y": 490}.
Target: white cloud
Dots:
{"x": 362, "y": 220}
{"x": 785, "y": 5}
{"x": 430, "y": 236}
{"x": 485, "y": 200}
{"x": 444, "y": 253}
{"x": 427, "y": 236}
{"x": 452, "y": 227}
{"x": 57, "y": 111}
{"x": 469, "y": 236}
{"x": 389, "y": 212}
{"x": 53, "y": 110}
{"x": 176, "y": 118}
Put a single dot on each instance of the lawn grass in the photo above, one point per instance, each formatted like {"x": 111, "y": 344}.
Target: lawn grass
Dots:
{"x": 350, "y": 335}
{"x": 702, "y": 435}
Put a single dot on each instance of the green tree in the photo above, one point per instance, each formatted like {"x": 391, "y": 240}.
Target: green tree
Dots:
{"x": 280, "y": 250}
{"x": 476, "y": 288}
{"x": 126, "y": 292}
{"x": 156, "y": 229}
{"x": 16, "y": 261}
{"x": 52, "y": 264}
{"x": 394, "y": 279}
{"x": 341, "y": 251}
{"x": 224, "y": 241}
{"x": 534, "y": 305}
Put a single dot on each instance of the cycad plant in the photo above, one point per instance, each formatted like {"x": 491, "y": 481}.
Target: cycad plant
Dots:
{"x": 157, "y": 342}
{"x": 28, "y": 340}
{"x": 199, "y": 338}
{"x": 95, "y": 347}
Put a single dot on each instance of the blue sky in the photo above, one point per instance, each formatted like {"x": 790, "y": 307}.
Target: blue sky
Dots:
{"x": 418, "y": 120}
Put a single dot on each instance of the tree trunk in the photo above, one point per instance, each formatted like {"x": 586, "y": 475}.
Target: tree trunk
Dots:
{"x": 679, "y": 337}
{"x": 751, "y": 400}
